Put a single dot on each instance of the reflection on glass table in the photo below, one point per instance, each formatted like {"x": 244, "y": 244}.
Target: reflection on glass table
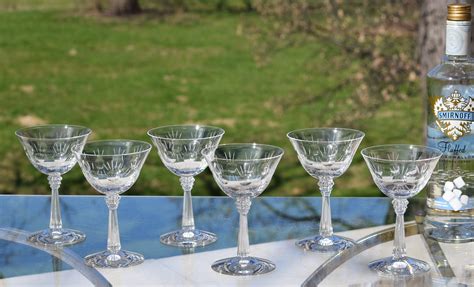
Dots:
{"x": 144, "y": 218}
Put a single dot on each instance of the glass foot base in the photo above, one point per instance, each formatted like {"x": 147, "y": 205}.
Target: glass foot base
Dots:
{"x": 405, "y": 266}
{"x": 188, "y": 238}
{"x": 64, "y": 238}
{"x": 105, "y": 259}
{"x": 332, "y": 243}
{"x": 452, "y": 234}
{"x": 243, "y": 266}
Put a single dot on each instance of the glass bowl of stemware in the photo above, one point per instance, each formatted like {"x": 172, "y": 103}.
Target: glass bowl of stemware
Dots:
{"x": 400, "y": 172}
{"x": 111, "y": 167}
{"x": 50, "y": 150}
{"x": 243, "y": 172}
{"x": 325, "y": 153}
{"x": 180, "y": 149}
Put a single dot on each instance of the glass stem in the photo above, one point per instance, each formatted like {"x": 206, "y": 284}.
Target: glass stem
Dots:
{"x": 399, "y": 247}
{"x": 243, "y": 206}
{"x": 187, "y": 183}
{"x": 113, "y": 239}
{"x": 55, "y": 222}
{"x": 325, "y": 186}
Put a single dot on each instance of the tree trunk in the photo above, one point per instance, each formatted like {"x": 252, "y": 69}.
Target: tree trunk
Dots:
{"x": 124, "y": 7}
{"x": 431, "y": 34}
{"x": 248, "y": 5}
{"x": 221, "y": 5}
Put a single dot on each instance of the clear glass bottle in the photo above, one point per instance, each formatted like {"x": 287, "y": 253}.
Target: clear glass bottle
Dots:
{"x": 450, "y": 125}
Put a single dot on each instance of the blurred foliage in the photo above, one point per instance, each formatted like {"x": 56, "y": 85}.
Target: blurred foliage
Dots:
{"x": 372, "y": 34}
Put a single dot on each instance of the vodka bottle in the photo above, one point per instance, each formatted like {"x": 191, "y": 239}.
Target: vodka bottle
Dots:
{"x": 450, "y": 125}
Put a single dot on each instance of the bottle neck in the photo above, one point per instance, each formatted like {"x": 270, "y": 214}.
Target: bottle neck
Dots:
{"x": 456, "y": 59}
{"x": 458, "y": 38}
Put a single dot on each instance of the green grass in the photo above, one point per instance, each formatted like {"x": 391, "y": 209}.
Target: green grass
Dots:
{"x": 122, "y": 77}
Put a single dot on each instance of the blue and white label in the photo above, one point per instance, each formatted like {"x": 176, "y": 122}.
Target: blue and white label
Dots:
{"x": 456, "y": 116}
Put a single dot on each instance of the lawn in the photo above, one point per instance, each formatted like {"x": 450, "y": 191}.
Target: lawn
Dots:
{"x": 121, "y": 77}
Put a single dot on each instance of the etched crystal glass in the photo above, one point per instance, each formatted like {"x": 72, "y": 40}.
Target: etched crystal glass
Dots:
{"x": 49, "y": 149}
{"x": 400, "y": 172}
{"x": 243, "y": 172}
{"x": 111, "y": 167}
{"x": 325, "y": 153}
{"x": 179, "y": 148}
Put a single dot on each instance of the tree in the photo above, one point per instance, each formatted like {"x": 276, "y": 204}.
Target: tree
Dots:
{"x": 431, "y": 34}
{"x": 375, "y": 34}
{"x": 118, "y": 7}
{"x": 124, "y": 7}
{"x": 380, "y": 38}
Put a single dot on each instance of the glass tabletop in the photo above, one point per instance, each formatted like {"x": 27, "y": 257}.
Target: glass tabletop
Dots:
{"x": 143, "y": 219}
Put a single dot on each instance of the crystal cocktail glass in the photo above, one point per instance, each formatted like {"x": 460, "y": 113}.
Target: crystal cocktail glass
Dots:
{"x": 243, "y": 172}
{"x": 112, "y": 167}
{"x": 325, "y": 153}
{"x": 50, "y": 149}
{"x": 179, "y": 148}
{"x": 400, "y": 172}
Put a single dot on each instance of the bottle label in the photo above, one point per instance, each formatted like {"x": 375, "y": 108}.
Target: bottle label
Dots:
{"x": 454, "y": 114}
{"x": 458, "y": 36}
